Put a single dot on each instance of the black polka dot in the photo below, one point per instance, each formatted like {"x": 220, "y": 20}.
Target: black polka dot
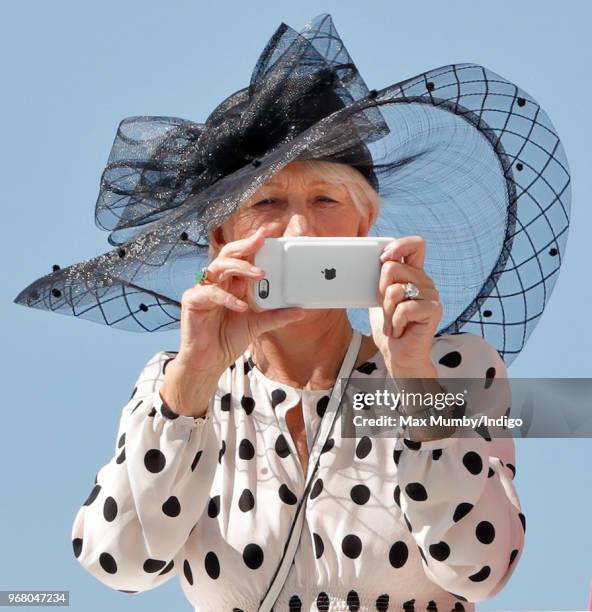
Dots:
{"x": 483, "y": 432}
{"x": 367, "y": 367}
{"x": 458, "y": 607}
{"x": 225, "y": 402}
{"x": 246, "y": 501}
{"x": 246, "y": 450}
{"x": 295, "y": 604}
{"x": 439, "y": 551}
{"x": 323, "y": 602}
{"x": 432, "y": 607}
{"x": 512, "y": 469}
{"x": 397, "y": 456}
{"x": 248, "y": 403}
{"x": 281, "y": 446}
{"x": 382, "y": 602}
{"x": 196, "y": 459}
{"x": 353, "y": 601}
{"x": 363, "y": 447}
{"x": 472, "y": 461}
{"x": 286, "y": 495}
{"x": 108, "y": 563}
{"x": 360, "y": 494}
{"x": 459, "y": 410}
{"x": 77, "y": 546}
{"x": 121, "y": 441}
{"x": 318, "y": 545}
{"x": 277, "y": 397}
{"x": 461, "y": 511}
{"x": 422, "y": 554}
{"x": 212, "y": 565}
{"x": 214, "y": 506}
{"x": 322, "y": 405}
{"x": 397, "y": 495}
{"x": 409, "y": 526}
{"x": 154, "y": 461}
{"x": 398, "y": 554}
{"x": 329, "y": 444}
{"x": 168, "y": 568}
{"x": 110, "y": 509}
{"x": 187, "y": 572}
{"x": 481, "y": 575}
{"x": 167, "y": 413}
{"x": 411, "y": 444}
{"x": 513, "y": 555}
{"x": 221, "y": 451}
{"x": 152, "y": 412}
{"x": 485, "y": 532}
{"x": 489, "y": 376}
{"x": 416, "y": 491}
{"x": 451, "y": 360}
{"x": 436, "y": 454}
{"x": 166, "y": 363}
{"x": 93, "y": 495}
{"x": 490, "y": 473}
{"x": 248, "y": 365}
{"x": 351, "y": 546}
{"x": 522, "y": 520}
{"x": 171, "y": 506}
{"x": 317, "y": 487}
{"x": 121, "y": 457}
{"x": 409, "y": 606}
{"x": 151, "y": 566}
{"x": 253, "y": 556}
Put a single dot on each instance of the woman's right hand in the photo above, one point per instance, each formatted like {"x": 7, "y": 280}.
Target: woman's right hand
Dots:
{"x": 217, "y": 325}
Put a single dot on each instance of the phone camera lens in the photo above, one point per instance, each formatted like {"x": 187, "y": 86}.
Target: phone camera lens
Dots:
{"x": 263, "y": 288}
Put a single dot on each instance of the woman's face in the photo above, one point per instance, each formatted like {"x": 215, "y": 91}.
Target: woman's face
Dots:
{"x": 294, "y": 202}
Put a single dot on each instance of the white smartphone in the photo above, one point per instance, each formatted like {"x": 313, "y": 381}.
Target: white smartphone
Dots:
{"x": 313, "y": 272}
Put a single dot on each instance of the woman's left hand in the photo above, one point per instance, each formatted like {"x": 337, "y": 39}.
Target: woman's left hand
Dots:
{"x": 403, "y": 329}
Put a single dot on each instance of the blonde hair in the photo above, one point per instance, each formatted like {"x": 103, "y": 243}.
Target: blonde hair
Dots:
{"x": 364, "y": 197}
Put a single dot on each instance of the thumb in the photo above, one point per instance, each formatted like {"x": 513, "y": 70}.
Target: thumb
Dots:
{"x": 272, "y": 319}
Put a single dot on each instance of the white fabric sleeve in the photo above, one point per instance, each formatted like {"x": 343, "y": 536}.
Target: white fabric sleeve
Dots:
{"x": 457, "y": 494}
{"x": 152, "y": 492}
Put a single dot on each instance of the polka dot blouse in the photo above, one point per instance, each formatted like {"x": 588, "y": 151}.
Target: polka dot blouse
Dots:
{"x": 390, "y": 524}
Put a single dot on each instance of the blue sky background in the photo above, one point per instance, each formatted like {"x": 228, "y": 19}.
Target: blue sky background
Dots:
{"x": 71, "y": 71}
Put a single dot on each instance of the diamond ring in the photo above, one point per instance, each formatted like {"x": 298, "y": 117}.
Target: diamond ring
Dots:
{"x": 411, "y": 291}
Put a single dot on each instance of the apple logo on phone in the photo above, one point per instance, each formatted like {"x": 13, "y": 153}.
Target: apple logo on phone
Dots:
{"x": 329, "y": 273}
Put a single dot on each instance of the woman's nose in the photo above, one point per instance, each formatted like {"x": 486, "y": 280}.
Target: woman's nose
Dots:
{"x": 297, "y": 225}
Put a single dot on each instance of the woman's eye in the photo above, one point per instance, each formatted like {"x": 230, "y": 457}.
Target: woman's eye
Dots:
{"x": 264, "y": 201}
{"x": 325, "y": 199}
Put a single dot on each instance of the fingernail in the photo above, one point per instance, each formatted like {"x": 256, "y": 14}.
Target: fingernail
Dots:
{"x": 255, "y": 270}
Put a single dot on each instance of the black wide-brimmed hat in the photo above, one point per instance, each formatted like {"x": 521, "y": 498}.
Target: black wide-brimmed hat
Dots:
{"x": 458, "y": 155}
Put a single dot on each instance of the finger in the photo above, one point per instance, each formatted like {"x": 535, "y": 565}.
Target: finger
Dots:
{"x": 394, "y": 295}
{"x": 397, "y": 272}
{"x": 208, "y": 297}
{"x": 267, "y": 320}
{"x": 245, "y": 246}
{"x": 414, "y": 311}
{"x": 223, "y": 268}
{"x": 411, "y": 248}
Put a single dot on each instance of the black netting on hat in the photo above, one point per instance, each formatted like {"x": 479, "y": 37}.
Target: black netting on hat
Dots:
{"x": 459, "y": 155}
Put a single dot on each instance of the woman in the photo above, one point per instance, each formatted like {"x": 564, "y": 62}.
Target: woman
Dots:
{"x": 214, "y": 441}
{"x": 212, "y": 465}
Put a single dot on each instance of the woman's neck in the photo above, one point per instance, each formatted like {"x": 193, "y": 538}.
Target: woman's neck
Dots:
{"x": 308, "y": 353}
